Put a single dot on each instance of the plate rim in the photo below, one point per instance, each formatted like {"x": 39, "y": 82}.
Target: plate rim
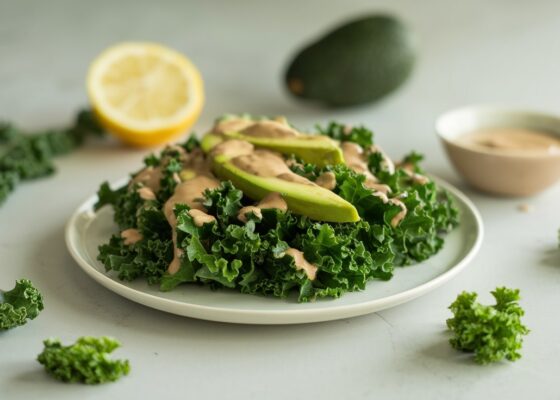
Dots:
{"x": 271, "y": 317}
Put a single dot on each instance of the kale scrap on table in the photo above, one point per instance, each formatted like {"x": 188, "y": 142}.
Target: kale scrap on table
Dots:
{"x": 20, "y": 304}
{"x": 250, "y": 257}
{"x": 86, "y": 361}
{"x": 27, "y": 156}
{"x": 491, "y": 332}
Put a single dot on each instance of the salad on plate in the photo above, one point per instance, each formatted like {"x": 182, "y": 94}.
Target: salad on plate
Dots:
{"x": 262, "y": 208}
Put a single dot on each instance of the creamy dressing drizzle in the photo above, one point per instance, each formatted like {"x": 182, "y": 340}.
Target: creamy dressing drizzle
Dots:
{"x": 267, "y": 164}
{"x": 146, "y": 193}
{"x": 271, "y": 200}
{"x": 195, "y": 163}
{"x": 200, "y": 217}
{"x": 397, "y": 219}
{"x": 232, "y": 148}
{"x": 354, "y": 156}
{"x": 355, "y": 159}
{"x": 191, "y": 194}
{"x": 269, "y": 129}
{"x": 387, "y": 162}
{"x": 231, "y": 125}
{"x": 149, "y": 177}
{"x": 417, "y": 178}
{"x": 131, "y": 236}
{"x": 242, "y": 214}
{"x": 326, "y": 180}
{"x": 378, "y": 187}
{"x": 302, "y": 263}
{"x": 276, "y": 128}
{"x": 512, "y": 140}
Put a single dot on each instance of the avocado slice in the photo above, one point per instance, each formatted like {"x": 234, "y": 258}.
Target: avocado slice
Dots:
{"x": 302, "y": 198}
{"x": 315, "y": 149}
{"x": 358, "y": 62}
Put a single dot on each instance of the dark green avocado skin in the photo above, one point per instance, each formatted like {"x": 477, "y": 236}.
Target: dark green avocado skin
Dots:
{"x": 358, "y": 62}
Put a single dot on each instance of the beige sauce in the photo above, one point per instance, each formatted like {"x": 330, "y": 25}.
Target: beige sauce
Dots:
{"x": 302, "y": 263}
{"x": 271, "y": 200}
{"x": 347, "y": 129}
{"x": 397, "y": 219}
{"x": 387, "y": 163}
{"x": 275, "y": 128}
{"x": 512, "y": 140}
{"x": 146, "y": 193}
{"x": 263, "y": 163}
{"x": 293, "y": 177}
{"x": 174, "y": 147}
{"x": 406, "y": 166}
{"x": 281, "y": 119}
{"x": 149, "y": 177}
{"x": 232, "y": 125}
{"x": 242, "y": 214}
{"x": 377, "y": 187}
{"x": 189, "y": 193}
{"x": 326, "y": 180}
{"x": 232, "y": 149}
{"x": 267, "y": 164}
{"x": 355, "y": 159}
{"x": 131, "y": 236}
{"x": 200, "y": 217}
{"x": 269, "y": 129}
{"x": 196, "y": 163}
{"x": 417, "y": 178}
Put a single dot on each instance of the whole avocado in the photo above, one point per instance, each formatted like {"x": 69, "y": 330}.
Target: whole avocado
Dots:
{"x": 358, "y": 62}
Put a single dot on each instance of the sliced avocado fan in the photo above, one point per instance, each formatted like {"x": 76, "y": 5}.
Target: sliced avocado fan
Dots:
{"x": 316, "y": 149}
{"x": 305, "y": 198}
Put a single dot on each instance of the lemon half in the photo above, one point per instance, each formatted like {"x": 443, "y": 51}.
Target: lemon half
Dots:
{"x": 144, "y": 93}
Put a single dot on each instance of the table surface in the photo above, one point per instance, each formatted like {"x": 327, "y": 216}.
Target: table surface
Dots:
{"x": 471, "y": 52}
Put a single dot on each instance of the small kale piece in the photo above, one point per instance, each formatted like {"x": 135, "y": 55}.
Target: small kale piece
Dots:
{"x": 30, "y": 156}
{"x": 86, "y": 361}
{"x": 18, "y": 305}
{"x": 491, "y": 332}
{"x": 345, "y": 133}
{"x": 192, "y": 143}
{"x": 148, "y": 257}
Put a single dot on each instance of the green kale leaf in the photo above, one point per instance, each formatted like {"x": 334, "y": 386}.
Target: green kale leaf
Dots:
{"x": 345, "y": 133}
{"x": 30, "y": 156}
{"x": 18, "y": 305}
{"x": 491, "y": 332}
{"x": 86, "y": 361}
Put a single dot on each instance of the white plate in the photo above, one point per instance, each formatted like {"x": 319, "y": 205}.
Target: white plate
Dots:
{"x": 86, "y": 230}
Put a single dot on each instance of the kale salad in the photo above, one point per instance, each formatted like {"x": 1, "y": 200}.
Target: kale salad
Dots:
{"x": 259, "y": 207}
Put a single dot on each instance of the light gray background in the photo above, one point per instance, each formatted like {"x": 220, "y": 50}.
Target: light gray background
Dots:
{"x": 471, "y": 51}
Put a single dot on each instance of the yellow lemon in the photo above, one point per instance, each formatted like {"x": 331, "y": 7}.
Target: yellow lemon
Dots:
{"x": 145, "y": 93}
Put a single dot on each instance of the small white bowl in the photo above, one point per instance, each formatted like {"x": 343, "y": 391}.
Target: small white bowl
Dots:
{"x": 493, "y": 172}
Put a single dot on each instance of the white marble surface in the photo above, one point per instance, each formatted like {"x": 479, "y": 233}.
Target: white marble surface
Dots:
{"x": 475, "y": 51}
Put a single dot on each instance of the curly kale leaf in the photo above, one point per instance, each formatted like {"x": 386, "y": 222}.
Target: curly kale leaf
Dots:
{"x": 251, "y": 257}
{"x": 491, "y": 332}
{"x": 30, "y": 156}
{"x": 431, "y": 212}
{"x": 224, "y": 202}
{"x": 126, "y": 203}
{"x": 18, "y": 305}
{"x": 148, "y": 257}
{"x": 86, "y": 361}
{"x": 345, "y": 133}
